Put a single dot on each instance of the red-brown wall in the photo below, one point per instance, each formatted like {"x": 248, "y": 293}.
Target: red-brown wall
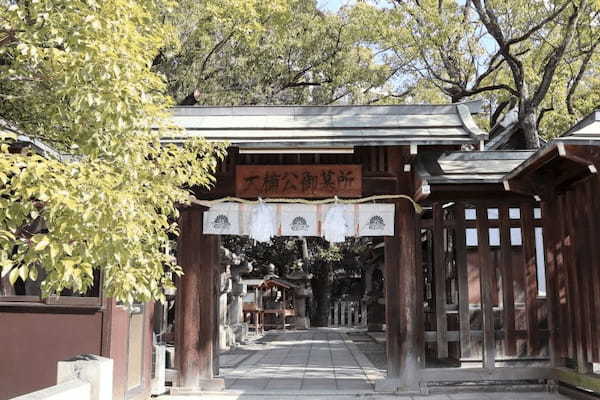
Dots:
{"x": 34, "y": 339}
{"x": 573, "y": 262}
{"x": 116, "y": 334}
{"x": 31, "y": 343}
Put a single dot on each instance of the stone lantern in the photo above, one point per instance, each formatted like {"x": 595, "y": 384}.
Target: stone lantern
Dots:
{"x": 238, "y": 291}
{"x": 302, "y": 293}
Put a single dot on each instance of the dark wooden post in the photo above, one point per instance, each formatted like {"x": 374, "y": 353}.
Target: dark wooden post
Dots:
{"x": 197, "y": 254}
{"x": 551, "y": 237}
{"x": 486, "y": 275}
{"x": 463, "y": 281}
{"x": 403, "y": 293}
{"x": 508, "y": 288}
{"x": 439, "y": 271}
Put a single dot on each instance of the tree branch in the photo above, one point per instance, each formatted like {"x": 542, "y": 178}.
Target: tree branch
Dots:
{"x": 582, "y": 70}
{"x": 489, "y": 20}
{"x": 554, "y": 59}
{"x": 538, "y": 26}
{"x": 542, "y": 114}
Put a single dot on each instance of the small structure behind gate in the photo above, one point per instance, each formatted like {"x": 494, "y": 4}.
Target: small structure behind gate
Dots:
{"x": 348, "y": 314}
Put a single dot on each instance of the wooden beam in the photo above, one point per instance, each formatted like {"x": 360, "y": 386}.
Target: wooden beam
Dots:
{"x": 531, "y": 289}
{"x": 586, "y": 198}
{"x": 439, "y": 270}
{"x": 595, "y": 262}
{"x": 422, "y": 192}
{"x": 551, "y": 236}
{"x": 564, "y": 265}
{"x": 486, "y": 275}
{"x": 484, "y": 374}
{"x": 463, "y": 281}
{"x": 570, "y": 241}
{"x": 508, "y": 289}
{"x": 584, "y": 155}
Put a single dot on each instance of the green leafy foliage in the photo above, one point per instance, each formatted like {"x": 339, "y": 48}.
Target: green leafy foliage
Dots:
{"x": 289, "y": 254}
{"x": 269, "y": 52}
{"x": 539, "y": 57}
{"x": 77, "y": 74}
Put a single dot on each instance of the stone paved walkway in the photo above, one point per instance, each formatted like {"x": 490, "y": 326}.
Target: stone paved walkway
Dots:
{"x": 333, "y": 396}
{"x": 313, "y": 360}
{"x": 317, "y": 364}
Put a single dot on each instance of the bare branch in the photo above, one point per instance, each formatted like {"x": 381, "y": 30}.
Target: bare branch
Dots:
{"x": 496, "y": 114}
{"x": 582, "y": 70}
{"x": 554, "y": 59}
{"x": 542, "y": 114}
{"x": 215, "y": 48}
{"x": 538, "y": 26}
{"x": 489, "y": 20}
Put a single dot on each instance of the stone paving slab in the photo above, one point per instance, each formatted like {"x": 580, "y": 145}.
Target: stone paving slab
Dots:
{"x": 349, "y": 396}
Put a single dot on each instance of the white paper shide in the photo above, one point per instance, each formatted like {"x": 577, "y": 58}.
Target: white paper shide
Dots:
{"x": 262, "y": 222}
{"x": 338, "y": 222}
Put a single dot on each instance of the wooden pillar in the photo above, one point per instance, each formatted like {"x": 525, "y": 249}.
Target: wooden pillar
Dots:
{"x": 439, "y": 271}
{"x": 531, "y": 290}
{"x": 486, "y": 275}
{"x": 404, "y": 303}
{"x": 284, "y": 307}
{"x": 508, "y": 288}
{"x": 464, "y": 313}
{"x": 571, "y": 242}
{"x": 552, "y": 289}
{"x": 403, "y": 277}
{"x": 195, "y": 306}
{"x": 216, "y": 307}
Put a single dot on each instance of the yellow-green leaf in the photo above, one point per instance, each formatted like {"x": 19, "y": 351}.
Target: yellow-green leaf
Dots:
{"x": 41, "y": 245}
{"x": 24, "y": 272}
{"x": 33, "y": 274}
{"x": 13, "y": 276}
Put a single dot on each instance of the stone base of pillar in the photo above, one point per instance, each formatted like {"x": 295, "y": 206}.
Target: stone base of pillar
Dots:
{"x": 205, "y": 385}
{"x": 240, "y": 331}
{"x": 302, "y": 323}
{"x": 397, "y": 385}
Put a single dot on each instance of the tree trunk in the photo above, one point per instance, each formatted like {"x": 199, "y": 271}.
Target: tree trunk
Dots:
{"x": 321, "y": 285}
{"x": 528, "y": 122}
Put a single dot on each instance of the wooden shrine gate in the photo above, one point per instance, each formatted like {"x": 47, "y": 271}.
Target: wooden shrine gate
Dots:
{"x": 196, "y": 337}
{"x": 464, "y": 284}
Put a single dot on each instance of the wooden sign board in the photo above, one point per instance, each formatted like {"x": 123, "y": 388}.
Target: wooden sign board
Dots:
{"x": 302, "y": 181}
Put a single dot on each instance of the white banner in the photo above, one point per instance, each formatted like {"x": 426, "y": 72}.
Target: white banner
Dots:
{"x": 301, "y": 219}
{"x": 376, "y": 219}
{"x": 223, "y": 219}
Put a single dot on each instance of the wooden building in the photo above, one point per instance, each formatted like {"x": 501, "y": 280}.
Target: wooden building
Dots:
{"x": 497, "y": 280}
{"x": 468, "y": 294}
{"x": 269, "y": 304}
